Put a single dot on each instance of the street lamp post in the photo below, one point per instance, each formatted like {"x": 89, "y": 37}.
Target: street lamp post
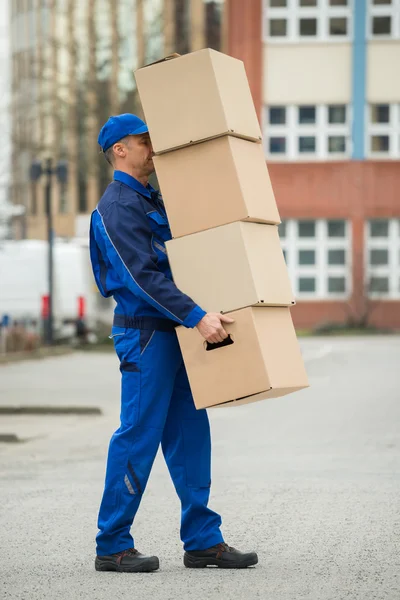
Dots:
{"x": 36, "y": 171}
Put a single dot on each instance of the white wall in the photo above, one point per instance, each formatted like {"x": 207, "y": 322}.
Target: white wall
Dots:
{"x": 307, "y": 74}
{"x": 383, "y": 74}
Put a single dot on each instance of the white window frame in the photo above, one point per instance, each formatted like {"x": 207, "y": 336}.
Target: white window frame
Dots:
{"x": 292, "y": 12}
{"x": 392, "y": 270}
{"x": 384, "y": 10}
{"x": 391, "y": 129}
{"x": 321, "y": 271}
{"x": 293, "y": 130}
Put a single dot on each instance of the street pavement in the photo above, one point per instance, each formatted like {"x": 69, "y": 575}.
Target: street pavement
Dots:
{"x": 311, "y": 481}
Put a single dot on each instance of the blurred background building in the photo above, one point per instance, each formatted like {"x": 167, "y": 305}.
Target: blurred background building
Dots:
{"x": 325, "y": 81}
{"x": 330, "y": 103}
{"x": 72, "y": 67}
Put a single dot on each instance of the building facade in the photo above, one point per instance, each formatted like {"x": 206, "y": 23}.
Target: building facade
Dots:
{"x": 324, "y": 76}
{"x": 324, "y": 79}
{"x": 73, "y": 65}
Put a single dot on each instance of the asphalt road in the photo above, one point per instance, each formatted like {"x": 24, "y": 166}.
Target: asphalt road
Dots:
{"x": 310, "y": 481}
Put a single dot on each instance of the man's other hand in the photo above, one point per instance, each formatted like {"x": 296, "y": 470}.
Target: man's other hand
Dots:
{"x": 211, "y": 327}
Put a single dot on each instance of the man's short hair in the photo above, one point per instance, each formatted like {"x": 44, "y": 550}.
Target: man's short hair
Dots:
{"x": 109, "y": 153}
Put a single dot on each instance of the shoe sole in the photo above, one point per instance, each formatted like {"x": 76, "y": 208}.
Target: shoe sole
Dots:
{"x": 145, "y": 566}
{"x": 194, "y": 562}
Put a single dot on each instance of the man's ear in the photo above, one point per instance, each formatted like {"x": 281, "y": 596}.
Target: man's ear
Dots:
{"x": 119, "y": 149}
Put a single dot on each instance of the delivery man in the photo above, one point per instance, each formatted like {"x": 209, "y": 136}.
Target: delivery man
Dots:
{"x": 128, "y": 232}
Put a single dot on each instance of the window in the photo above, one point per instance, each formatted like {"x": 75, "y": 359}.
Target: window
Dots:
{"x": 306, "y": 257}
{"x": 317, "y": 255}
{"x": 384, "y": 19}
{"x": 306, "y": 20}
{"x": 306, "y": 229}
{"x": 316, "y": 132}
{"x": 336, "y": 229}
{"x": 379, "y": 228}
{"x": 383, "y": 130}
{"x": 277, "y": 115}
{"x": 306, "y": 115}
{"x": 336, "y": 257}
{"x": 277, "y": 27}
{"x": 383, "y": 258}
{"x": 336, "y": 113}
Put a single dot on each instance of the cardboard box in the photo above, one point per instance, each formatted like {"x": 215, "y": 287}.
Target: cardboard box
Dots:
{"x": 264, "y": 360}
{"x": 231, "y": 267}
{"x": 195, "y": 97}
{"x": 214, "y": 183}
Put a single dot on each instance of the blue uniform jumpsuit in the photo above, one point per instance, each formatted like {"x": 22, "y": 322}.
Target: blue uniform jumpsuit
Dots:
{"x": 127, "y": 234}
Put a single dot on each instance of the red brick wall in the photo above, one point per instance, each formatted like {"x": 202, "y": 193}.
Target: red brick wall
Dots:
{"x": 244, "y": 42}
{"x": 384, "y": 314}
{"x": 350, "y": 190}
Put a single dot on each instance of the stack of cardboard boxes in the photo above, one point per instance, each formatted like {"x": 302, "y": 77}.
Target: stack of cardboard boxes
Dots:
{"x": 225, "y": 252}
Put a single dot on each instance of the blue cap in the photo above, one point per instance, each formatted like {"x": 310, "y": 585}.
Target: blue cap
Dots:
{"x": 118, "y": 127}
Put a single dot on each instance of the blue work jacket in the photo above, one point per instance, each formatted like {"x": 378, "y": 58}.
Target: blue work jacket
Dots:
{"x": 128, "y": 231}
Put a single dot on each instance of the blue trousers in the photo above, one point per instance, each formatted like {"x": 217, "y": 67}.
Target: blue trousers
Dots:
{"x": 156, "y": 406}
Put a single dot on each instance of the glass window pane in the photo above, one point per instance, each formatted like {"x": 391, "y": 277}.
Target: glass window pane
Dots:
{"x": 336, "y": 257}
{"x": 277, "y": 27}
{"x": 379, "y": 284}
{"x": 278, "y": 3}
{"x": 379, "y": 228}
{"x": 338, "y": 26}
{"x": 382, "y": 1}
{"x": 338, "y": 2}
{"x": 306, "y": 229}
{"x": 336, "y": 228}
{"x": 381, "y": 25}
{"x": 336, "y": 285}
{"x": 277, "y": 115}
{"x": 380, "y": 143}
{"x": 306, "y": 284}
{"x": 277, "y": 145}
{"x": 306, "y": 257}
{"x": 308, "y": 2}
{"x": 378, "y": 256}
{"x": 337, "y": 113}
{"x": 308, "y": 27}
{"x": 307, "y": 115}
{"x": 380, "y": 113}
{"x": 336, "y": 143}
{"x": 306, "y": 143}
{"x": 282, "y": 229}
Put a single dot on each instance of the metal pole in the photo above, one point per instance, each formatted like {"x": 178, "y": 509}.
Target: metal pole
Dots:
{"x": 49, "y": 213}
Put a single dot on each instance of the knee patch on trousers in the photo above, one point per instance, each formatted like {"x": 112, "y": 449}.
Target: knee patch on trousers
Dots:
{"x": 129, "y": 367}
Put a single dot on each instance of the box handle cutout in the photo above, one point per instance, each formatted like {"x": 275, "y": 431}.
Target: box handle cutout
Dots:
{"x": 227, "y": 342}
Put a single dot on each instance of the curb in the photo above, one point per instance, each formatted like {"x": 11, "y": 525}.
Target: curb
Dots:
{"x": 50, "y": 410}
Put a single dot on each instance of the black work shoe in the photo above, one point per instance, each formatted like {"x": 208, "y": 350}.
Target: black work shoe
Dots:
{"x": 222, "y": 556}
{"x": 127, "y": 561}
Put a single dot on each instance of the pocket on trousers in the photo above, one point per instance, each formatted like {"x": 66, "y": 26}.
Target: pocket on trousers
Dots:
{"x": 117, "y": 332}
{"x": 146, "y": 335}
{"x": 197, "y": 450}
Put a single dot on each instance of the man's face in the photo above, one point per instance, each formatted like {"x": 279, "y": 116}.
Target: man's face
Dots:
{"x": 139, "y": 154}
